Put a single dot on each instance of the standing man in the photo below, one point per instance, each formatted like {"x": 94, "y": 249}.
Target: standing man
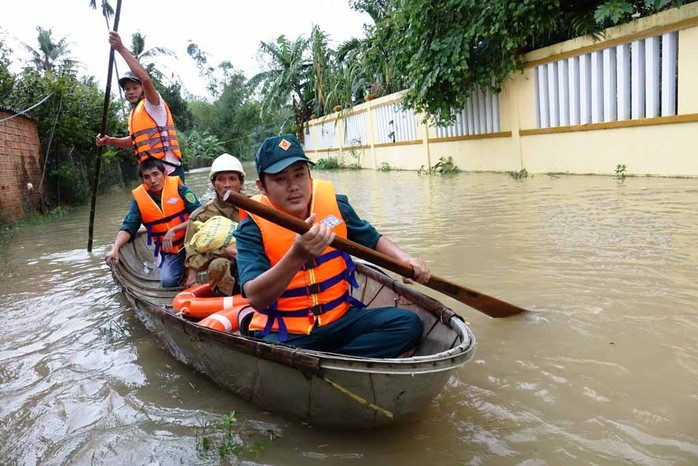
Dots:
{"x": 227, "y": 174}
{"x": 299, "y": 285}
{"x": 150, "y": 125}
{"x": 163, "y": 205}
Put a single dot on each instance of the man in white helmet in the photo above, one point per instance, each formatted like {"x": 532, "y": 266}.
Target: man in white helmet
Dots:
{"x": 227, "y": 174}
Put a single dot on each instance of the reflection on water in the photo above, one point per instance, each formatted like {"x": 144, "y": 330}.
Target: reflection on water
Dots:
{"x": 604, "y": 369}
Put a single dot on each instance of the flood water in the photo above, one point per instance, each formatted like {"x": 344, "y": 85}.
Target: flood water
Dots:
{"x": 603, "y": 370}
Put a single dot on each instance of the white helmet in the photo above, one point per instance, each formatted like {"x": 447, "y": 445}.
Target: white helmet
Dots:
{"x": 226, "y": 163}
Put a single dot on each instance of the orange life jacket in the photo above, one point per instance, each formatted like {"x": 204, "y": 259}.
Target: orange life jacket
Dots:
{"x": 158, "y": 220}
{"x": 318, "y": 294}
{"x": 147, "y": 136}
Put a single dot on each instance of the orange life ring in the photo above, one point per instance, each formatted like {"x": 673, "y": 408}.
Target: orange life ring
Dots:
{"x": 228, "y": 320}
{"x": 199, "y": 302}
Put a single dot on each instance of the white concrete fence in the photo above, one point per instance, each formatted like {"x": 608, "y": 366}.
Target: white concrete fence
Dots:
{"x": 628, "y": 81}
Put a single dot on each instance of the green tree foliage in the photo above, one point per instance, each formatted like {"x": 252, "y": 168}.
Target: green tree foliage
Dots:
{"x": 51, "y": 56}
{"x": 172, "y": 94}
{"x": 148, "y": 57}
{"x": 6, "y": 78}
{"x": 200, "y": 148}
{"x": 308, "y": 77}
{"x": 206, "y": 70}
{"x": 68, "y": 122}
{"x": 107, "y": 10}
{"x": 286, "y": 81}
{"x": 444, "y": 48}
{"x": 321, "y": 56}
{"x": 234, "y": 117}
{"x": 612, "y": 12}
{"x": 375, "y": 50}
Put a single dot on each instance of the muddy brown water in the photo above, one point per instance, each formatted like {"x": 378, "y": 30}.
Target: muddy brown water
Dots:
{"x": 603, "y": 370}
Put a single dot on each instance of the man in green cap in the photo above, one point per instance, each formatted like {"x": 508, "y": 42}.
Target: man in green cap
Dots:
{"x": 298, "y": 284}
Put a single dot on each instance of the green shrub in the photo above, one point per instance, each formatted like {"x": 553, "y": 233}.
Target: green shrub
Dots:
{"x": 328, "y": 164}
{"x": 70, "y": 186}
{"x": 519, "y": 175}
{"x": 199, "y": 148}
{"x": 445, "y": 166}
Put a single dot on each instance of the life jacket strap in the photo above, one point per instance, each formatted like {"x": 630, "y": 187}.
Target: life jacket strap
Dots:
{"x": 179, "y": 215}
{"x": 151, "y": 131}
{"x": 274, "y": 315}
{"x": 313, "y": 288}
{"x": 148, "y": 155}
{"x": 154, "y": 140}
{"x": 321, "y": 259}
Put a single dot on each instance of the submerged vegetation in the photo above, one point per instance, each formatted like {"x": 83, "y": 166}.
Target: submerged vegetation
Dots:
{"x": 341, "y": 161}
{"x": 329, "y": 163}
{"x": 621, "y": 172}
{"x": 444, "y": 166}
{"x": 519, "y": 175}
{"x": 228, "y": 439}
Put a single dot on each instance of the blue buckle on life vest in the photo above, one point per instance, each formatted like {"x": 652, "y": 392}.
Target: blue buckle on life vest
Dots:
{"x": 314, "y": 288}
{"x": 158, "y": 243}
{"x": 350, "y": 272}
{"x": 274, "y": 315}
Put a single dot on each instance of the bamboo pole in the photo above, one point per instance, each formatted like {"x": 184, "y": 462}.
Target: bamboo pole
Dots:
{"x": 100, "y": 149}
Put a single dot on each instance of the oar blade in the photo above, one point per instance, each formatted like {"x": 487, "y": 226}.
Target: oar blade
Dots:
{"x": 486, "y": 304}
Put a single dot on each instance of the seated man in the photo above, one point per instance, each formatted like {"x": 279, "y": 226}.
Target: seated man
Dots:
{"x": 227, "y": 174}
{"x": 297, "y": 283}
{"x": 163, "y": 205}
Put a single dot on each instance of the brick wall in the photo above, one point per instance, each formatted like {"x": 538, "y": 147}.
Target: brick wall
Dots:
{"x": 20, "y": 167}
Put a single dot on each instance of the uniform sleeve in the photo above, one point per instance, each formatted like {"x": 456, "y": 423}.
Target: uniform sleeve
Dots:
{"x": 132, "y": 221}
{"x": 252, "y": 260}
{"x": 191, "y": 202}
{"x": 358, "y": 230}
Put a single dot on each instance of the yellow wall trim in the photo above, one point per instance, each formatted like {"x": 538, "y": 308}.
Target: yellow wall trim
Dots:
{"x": 686, "y": 23}
{"x": 400, "y": 143}
{"x": 468, "y": 137}
{"x": 326, "y": 149}
{"x": 693, "y": 117}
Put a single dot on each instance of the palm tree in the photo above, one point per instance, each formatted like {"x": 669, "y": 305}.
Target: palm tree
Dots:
{"x": 286, "y": 81}
{"x": 146, "y": 56}
{"x": 107, "y": 10}
{"x": 51, "y": 56}
{"x": 321, "y": 70}
{"x": 372, "y": 51}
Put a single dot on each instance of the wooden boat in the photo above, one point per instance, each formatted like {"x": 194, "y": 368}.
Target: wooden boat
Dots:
{"x": 320, "y": 388}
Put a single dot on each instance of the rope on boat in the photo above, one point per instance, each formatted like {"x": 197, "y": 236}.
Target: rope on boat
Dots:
{"x": 358, "y": 398}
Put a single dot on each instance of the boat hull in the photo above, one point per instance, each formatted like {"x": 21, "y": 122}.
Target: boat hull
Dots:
{"x": 320, "y": 388}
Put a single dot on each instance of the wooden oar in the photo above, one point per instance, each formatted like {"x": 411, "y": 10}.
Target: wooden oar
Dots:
{"x": 489, "y": 305}
{"x": 100, "y": 149}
